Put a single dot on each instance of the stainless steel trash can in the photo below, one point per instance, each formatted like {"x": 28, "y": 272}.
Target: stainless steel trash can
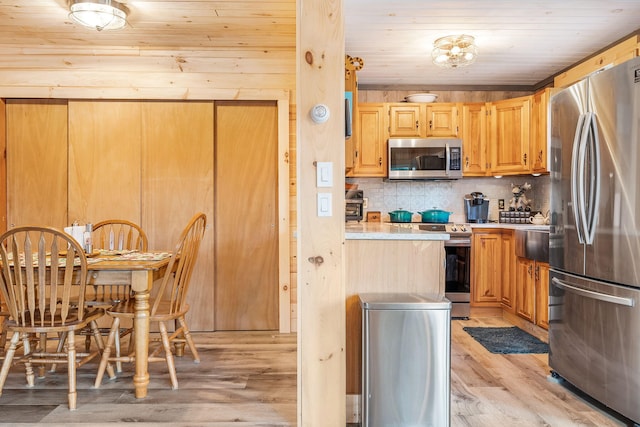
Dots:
{"x": 406, "y": 360}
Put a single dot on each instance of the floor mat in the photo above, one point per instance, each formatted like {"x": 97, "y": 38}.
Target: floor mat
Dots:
{"x": 507, "y": 340}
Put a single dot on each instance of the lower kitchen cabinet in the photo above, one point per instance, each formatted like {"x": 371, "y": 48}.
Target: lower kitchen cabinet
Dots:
{"x": 508, "y": 294}
{"x": 486, "y": 267}
{"x": 532, "y": 291}
{"x": 525, "y": 289}
{"x": 542, "y": 294}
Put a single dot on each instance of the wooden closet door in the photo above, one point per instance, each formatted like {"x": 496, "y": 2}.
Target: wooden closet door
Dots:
{"x": 36, "y": 162}
{"x": 246, "y": 221}
{"x": 177, "y": 182}
{"x": 104, "y": 161}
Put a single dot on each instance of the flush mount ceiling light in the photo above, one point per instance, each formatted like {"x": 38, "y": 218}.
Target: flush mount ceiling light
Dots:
{"x": 99, "y": 14}
{"x": 454, "y": 51}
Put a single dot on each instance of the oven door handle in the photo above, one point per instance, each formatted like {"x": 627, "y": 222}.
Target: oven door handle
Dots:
{"x": 456, "y": 243}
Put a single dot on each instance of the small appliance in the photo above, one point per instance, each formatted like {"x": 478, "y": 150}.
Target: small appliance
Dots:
{"x": 425, "y": 158}
{"x": 476, "y": 206}
{"x": 354, "y": 205}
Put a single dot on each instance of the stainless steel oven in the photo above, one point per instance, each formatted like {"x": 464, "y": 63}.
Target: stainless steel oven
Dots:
{"x": 458, "y": 266}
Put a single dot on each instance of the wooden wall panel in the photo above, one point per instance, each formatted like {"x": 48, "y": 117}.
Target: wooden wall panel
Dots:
{"x": 37, "y": 163}
{"x": 321, "y": 305}
{"x": 246, "y": 216}
{"x": 177, "y": 182}
{"x": 104, "y": 160}
{"x": 3, "y": 166}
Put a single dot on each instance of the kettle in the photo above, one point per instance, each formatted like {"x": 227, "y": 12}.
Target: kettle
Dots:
{"x": 539, "y": 219}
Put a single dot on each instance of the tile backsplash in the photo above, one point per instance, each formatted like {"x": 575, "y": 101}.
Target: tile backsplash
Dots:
{"x": 416, "y": 196}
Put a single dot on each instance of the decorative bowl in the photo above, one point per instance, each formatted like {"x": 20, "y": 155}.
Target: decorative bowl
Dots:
{"x": 421, "y": 97}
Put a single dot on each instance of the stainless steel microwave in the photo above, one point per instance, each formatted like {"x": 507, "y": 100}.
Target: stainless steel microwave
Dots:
{"x": 425, "y": 158}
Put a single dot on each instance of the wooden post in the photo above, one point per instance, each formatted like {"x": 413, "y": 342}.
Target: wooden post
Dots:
{"x": 320, "y": 249}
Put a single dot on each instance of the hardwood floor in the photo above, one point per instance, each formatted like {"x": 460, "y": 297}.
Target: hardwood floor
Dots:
{"x": 244, "y": 378}
{"x": 249, "y": 378}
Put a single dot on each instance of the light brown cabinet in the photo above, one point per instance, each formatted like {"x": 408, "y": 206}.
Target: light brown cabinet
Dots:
{"x": 370, "y": 141}
{"x": 407, "y": 120}
{"x": 416, "y": 120}
{"x": 508, "y": 290}
{"x": 509, "y": 136}
{"x": 532, "y": 295}
{"x": 538, "y": 152}
{"x": 474, "y": 139}
{"x": 442, "y": 120}
{"x": 486, "y": 268}
{"x": 541, "y": 273}
{"x": 525, "y": 289}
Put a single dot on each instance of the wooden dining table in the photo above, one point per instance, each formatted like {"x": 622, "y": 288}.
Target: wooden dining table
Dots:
{"x": 140, "y": 274}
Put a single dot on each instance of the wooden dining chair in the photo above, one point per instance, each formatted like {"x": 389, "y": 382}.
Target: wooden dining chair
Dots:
{"x": 43, "y": 276}
{"x": 168, "y": 306}
{"x": 114, "y": 235}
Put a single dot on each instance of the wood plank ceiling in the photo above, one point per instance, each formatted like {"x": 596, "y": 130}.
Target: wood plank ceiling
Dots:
{"x": 519, "y": 43}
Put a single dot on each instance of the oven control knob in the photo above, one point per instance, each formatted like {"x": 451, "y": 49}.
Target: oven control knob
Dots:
{"x": 463, "y": 228}
{"x": 453, "y": 228}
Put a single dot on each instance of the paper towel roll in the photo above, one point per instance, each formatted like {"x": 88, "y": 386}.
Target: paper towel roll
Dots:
{"x": 77, "y": 232}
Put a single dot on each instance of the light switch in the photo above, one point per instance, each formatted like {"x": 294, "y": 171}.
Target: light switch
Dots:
{"x": 324, "y": 174}
{"x": 324, "y": 204}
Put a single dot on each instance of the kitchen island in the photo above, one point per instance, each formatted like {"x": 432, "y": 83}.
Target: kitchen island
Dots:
{"x": 385, "y": 258}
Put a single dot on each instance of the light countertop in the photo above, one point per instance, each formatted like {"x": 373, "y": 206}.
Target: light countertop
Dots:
{"x": 508, "y": 226}
{"x": 381, "y": 231}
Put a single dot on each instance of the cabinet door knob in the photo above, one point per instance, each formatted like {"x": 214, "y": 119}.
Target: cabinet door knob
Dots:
{"x": 430, "y": 124}
{"x": 417, "y": 124}
{"x": 524, "y": 157}
{"x": 380, "y": 161}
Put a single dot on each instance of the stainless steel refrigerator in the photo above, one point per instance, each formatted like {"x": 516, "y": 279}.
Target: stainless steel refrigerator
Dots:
{"x": 594, "y": 301}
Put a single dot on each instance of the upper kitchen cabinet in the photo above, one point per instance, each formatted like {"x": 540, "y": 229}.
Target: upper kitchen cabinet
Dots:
{"x": 474, "y": 139}
{"x": 509, "y": 136}
{"x": 420, "y": 120}
{"x": 442, "y": 120}
{"x": 407, "y": 120}
{"x": 370, "y": 141}
{"x": 539, "y": 143}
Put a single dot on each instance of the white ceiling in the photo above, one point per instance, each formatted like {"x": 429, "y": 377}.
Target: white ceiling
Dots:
{"x": 520, "y": 43}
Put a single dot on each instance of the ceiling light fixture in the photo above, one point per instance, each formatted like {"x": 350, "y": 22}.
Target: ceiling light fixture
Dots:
{"x": 454, "y": 51}
{"x": 99, "y": 14}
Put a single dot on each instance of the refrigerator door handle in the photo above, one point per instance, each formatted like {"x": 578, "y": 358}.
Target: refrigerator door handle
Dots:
{"x": 575, "y": 174}
{"x": 628, "y": 302}
{"x": 585, "y": 134}
{"x": 591, "y": 218}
